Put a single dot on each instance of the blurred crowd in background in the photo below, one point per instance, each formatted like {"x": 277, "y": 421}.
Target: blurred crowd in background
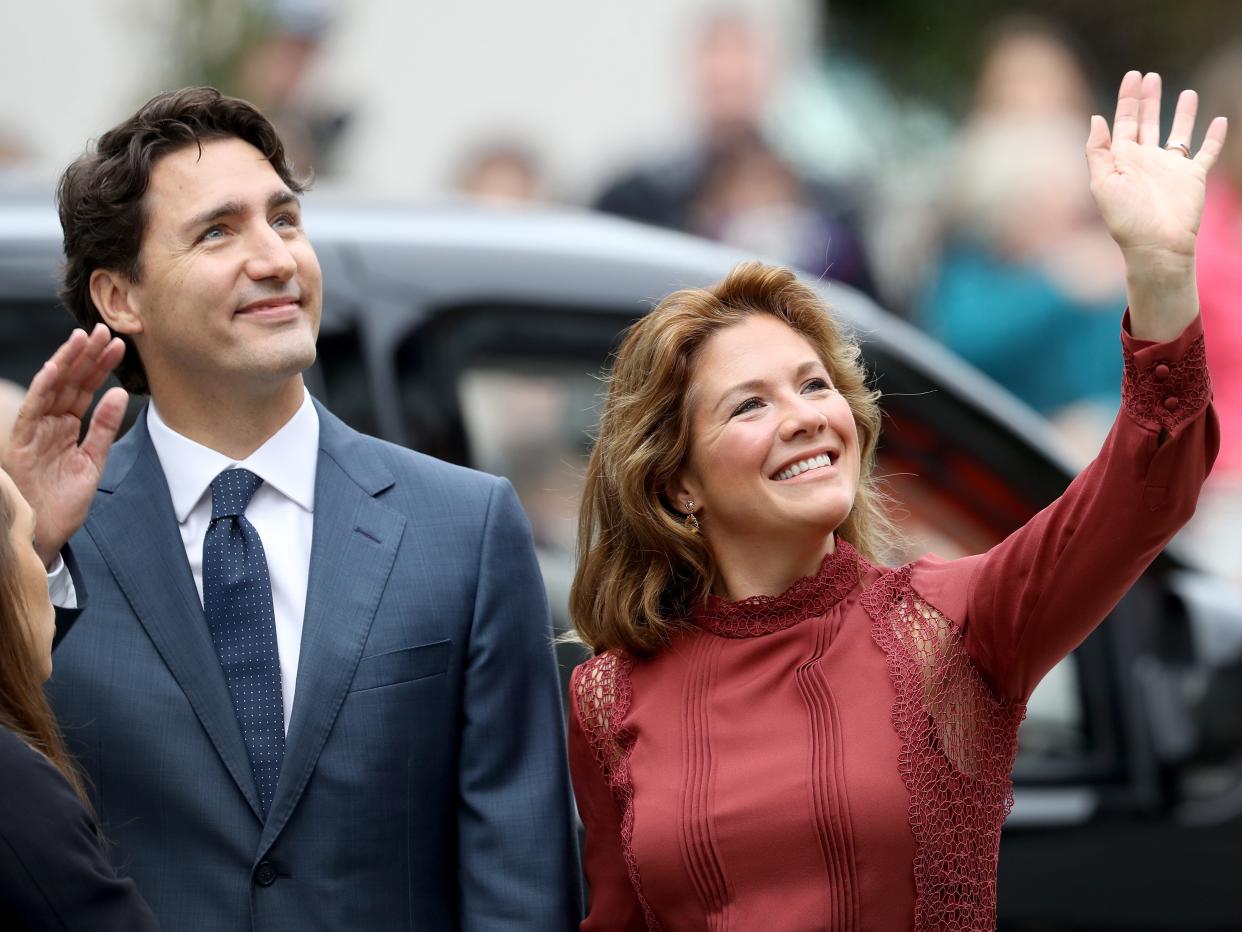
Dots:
{"x": 970, "y": 217}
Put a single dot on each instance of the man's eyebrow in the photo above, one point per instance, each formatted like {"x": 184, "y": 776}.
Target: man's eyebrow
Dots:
{"x": 756, "y": 384}
{"x": 276, "y": 199}
{"x": 210, "y": 216}
{"x": 282, "y": 198}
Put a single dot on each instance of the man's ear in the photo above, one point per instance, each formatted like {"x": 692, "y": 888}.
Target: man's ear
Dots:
{"x": 112, "y": 293}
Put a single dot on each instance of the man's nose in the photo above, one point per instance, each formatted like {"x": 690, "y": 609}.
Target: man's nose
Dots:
{"x": 270, "y": 256}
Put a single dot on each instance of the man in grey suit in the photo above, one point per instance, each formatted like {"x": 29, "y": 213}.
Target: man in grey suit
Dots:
{"x": 312, "y": 684}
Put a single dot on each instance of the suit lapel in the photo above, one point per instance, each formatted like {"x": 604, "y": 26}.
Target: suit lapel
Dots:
{"x": 353, "y": 547}
{"x": 133, "y": 525}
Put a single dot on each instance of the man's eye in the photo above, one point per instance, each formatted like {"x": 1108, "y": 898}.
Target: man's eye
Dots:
{"x": 212, "y": 233}
{"x": 284, "y": 220}
{"x": 750, "y": 404}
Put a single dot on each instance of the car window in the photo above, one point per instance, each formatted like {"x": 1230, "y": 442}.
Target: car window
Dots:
{"x": 1054, "y": 733}
{"x": 30, "y": 331}
{"x": 339, "y": 377}
{"x": 532, "y": 423}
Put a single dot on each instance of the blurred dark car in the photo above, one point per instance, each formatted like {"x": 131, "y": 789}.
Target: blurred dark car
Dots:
{"x": 479, "y": 336}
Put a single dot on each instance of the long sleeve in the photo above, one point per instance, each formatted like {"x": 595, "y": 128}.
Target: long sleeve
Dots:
{"x": 55, "y": 875}
{"x": 1034, "y": 597}
{"x": 614, "y": 907}
{"x": 517, "y": 853}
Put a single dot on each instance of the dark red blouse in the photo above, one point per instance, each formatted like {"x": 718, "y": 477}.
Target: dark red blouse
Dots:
{"x": 838, "y": 757}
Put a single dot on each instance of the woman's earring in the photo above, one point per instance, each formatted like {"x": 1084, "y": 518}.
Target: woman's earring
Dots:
{"x": 691, "y": 522}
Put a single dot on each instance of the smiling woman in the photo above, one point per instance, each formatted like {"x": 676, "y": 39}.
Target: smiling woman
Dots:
{"x": 776, "y": 453}
{"x": 642, "y": 566}
{"x": 779, "y": 732}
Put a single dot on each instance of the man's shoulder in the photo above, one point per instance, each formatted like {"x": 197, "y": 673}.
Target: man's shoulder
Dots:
{"x": 411, "y": 473}
{"x": 412, "y": 464}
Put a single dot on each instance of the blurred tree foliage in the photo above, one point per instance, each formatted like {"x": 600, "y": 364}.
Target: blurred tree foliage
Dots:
{"x": 933, "y": 47}
{"x": 209, "y": 39}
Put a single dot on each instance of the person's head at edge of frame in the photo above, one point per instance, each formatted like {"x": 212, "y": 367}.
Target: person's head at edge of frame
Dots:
{"x": 735, "y": 448}
{"x": 27, "y": 628}
{"x": 183, "y": 233}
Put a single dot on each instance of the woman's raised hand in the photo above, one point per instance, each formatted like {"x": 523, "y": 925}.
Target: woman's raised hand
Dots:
{"x": 57, "y": 474}
{"x": 1151, "y": 197}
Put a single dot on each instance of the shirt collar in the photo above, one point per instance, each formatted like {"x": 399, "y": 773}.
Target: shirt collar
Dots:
{"x": 286, "y": 461}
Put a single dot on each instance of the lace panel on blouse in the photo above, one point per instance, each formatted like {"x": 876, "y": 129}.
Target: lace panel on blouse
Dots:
{"x": 601, "y": 693}
{"x": 958, "y": 744}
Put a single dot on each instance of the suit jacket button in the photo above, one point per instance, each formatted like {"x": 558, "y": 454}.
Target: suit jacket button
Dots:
{"x": 265, "y": 874}
{"x": 1161, "y": 372}
{"x": 1171, "y": 403}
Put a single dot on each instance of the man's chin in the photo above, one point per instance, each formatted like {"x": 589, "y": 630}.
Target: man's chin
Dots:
{"x": 267, "y": 373}
{"x": 281, "y": 358}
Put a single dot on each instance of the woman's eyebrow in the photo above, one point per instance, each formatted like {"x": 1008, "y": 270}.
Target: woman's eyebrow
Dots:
{"x": 755, "y": 384}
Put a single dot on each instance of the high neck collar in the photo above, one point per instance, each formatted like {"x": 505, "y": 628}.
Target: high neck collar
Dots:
{"x": 837, "y": 576}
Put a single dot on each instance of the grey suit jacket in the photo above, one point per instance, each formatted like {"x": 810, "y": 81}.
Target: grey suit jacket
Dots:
{"x": 424, "y": 783}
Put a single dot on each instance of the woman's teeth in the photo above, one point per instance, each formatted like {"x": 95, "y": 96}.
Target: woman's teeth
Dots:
{"x": 797, "y": 469}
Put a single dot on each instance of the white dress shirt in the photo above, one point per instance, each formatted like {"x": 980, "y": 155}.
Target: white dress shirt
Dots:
{"x": 282, "y": 511}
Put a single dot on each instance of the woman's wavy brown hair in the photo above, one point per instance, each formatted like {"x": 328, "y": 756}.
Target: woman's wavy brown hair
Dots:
{"x": 24, "y": 709}
{"x": 640, "y": 570}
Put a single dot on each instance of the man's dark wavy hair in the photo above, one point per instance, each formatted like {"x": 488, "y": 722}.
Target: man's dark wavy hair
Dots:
{"x": 100, "y": 195}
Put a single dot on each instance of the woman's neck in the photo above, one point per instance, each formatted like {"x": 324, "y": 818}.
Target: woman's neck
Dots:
{"x": 749, "y": 568}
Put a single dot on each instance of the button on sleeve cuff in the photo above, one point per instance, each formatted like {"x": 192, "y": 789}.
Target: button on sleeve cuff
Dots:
{"x": 1165, "y": 384}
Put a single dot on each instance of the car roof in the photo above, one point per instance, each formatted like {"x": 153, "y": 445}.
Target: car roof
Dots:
{"x": 452, "y": 255}
{"x": 456, "y": 255}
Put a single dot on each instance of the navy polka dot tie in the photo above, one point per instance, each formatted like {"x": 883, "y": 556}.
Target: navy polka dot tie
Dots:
{"x": 237, "y": 597}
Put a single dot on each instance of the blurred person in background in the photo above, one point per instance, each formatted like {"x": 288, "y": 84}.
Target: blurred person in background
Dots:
{"x": 732, "y": 183}
{"x": 500, "y": 174}
{"x": 15, "y": 161}
{"x": 272, "y": 74}
{"x": 54, "y": 873}
{"x": 12, "y": 151}
{"x": 1213, "y": 533}
{"x": 752, "y": 198}
{"x": 1026, "y": 260}
{"x": 732, "y": 76}
{"x": 1030, "y": 70}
